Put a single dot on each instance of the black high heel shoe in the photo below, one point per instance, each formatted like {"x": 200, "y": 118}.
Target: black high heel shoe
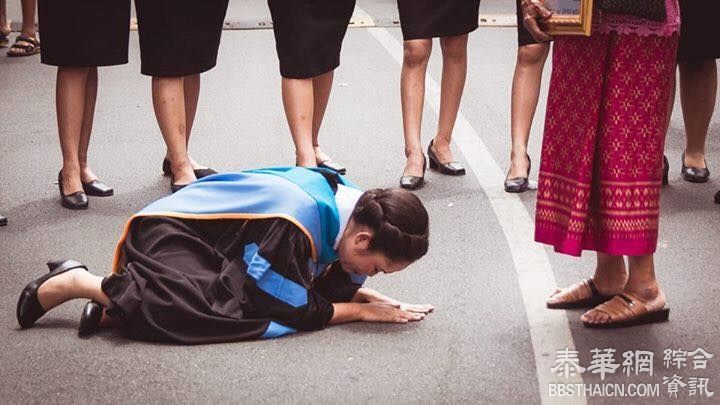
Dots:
{"x": 75, "y": 201}
{"x": 199, "y": 173}
{"x": 414, "y": 182}
{"x": 694, "y": 174}
{"x": 97, "y": 188}
{"x": 3, "y": 221}
{"x": 29, "y": 309}
{"x": 449, "y": 168}
{"x": 90, "y": 319}
{"x": 519, "y": 184}
{"x": 666, "y": 171}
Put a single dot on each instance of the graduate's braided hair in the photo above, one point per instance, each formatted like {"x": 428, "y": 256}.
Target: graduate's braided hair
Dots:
{"x": 399, "y": 222}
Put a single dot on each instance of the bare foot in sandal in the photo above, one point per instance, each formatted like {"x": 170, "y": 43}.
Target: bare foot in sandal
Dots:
{"x": 24, "y": 46}
{"x": 642, "y": 300}
{"x": 609, "y": 280}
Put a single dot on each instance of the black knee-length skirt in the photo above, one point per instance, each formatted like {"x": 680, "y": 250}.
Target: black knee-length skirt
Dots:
{"x": 179, "y": 37}
{"x": 309, "y": 34}
{"x": 699, "y": 37}
{"x": 84, "y": 33}
{"x": 437, "y": 18}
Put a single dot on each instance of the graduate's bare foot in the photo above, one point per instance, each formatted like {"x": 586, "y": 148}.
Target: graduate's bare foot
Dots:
{"x": 58, "y": 289}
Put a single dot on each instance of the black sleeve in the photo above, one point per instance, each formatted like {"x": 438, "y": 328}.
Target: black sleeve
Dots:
{"x": 336, "y": 285}
{"x": 278, "y": 282}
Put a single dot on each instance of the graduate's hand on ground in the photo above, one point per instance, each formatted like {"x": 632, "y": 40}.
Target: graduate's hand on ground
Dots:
{"x": 383, "y": 312}
{"x": 370, "y": 295}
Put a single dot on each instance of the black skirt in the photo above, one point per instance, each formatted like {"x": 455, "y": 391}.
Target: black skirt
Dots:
{"x": 699, "y": 36}
{"x": 309, "y": 35}
{"x": 420, "y": 19}
{"x": 179, "y": 37}
{"x": 84, "y": 33}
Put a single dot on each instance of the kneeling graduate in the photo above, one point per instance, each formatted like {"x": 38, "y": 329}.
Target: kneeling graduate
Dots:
{"x": 236, "y": 256}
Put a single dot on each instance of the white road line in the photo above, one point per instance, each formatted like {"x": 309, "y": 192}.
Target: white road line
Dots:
{"x": 549, "y": 330}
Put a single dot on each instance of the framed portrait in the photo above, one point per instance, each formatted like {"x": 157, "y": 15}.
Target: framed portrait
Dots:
{"x": 570, "y": 17}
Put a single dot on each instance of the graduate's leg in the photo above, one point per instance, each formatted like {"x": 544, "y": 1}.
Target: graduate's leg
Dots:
{"x": 610, "y": 278}
{"x": 454, "y": 50}
{"x": 169, "y": 103}
{"x": 322, "y": 87}
{"x": 71, "y": 101}
{"x": 698, "y": 90}
{"x": 299, "y": 103}
{"x": 524, "y": 100}
{"x": 412, "y": 96}
{"x": 91, "y": 86}
{"x": 75, "y": 283}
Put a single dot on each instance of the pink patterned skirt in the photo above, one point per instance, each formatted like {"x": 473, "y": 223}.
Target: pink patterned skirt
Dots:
{"x": 601, "y": 168}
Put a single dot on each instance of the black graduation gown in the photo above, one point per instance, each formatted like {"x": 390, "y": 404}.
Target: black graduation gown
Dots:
{"x": 198, "y": 281}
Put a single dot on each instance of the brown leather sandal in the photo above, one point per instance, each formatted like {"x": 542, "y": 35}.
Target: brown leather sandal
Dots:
{"x": 626, "y": 310}
{"x": 582, "y": 295}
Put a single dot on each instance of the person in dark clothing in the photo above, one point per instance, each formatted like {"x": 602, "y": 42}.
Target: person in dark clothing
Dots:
{"x": 250, "y": 255}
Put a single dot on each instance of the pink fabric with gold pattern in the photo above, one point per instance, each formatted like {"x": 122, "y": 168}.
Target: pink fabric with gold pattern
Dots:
{"x": 625, "y": 24}
{"x": 601, "y": 168}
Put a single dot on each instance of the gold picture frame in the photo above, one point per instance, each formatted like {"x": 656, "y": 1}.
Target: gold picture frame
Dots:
{"x": 571, "y": 17}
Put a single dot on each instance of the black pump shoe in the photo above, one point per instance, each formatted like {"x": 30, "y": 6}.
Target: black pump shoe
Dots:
{"x": 3, "y": 221}
{"x": 414, "y": 182}
{"x": 450, "y": 168}
{"x": 75, "y": 201}
{"x": 199, "y": 173}
{"x": 519, "y": 184}
{"x": 29, "y": 309}
{"x": 666, "y": 171}
{"x": 717, "y": 198}
{"x": 694, "y": 174}
{"x": 333, "y": 165}
{"x": 97, "y": 188}
{"x": 90, "y": 319}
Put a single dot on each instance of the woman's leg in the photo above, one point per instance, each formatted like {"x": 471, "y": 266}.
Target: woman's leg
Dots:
{"x": 525, "y": 94}
{"x": 698, "y": 89}
{"x": 641, "y": 283}
{"x": 71, "y": 102}
{"x": 610, "y": 278}
{"x": 29, "y": 8}
{"x": 412, "y": 95}
{"x": 91, "y": 86}
{"x": 191, "y": 87}
{"x": 75, "y": 283}
{"x": 454, "y": 51}
{"x": 4, "y": 23}
{"x": 169, "y": 103}
{"x": 299, "y": 103}
{"x": 322, "y": 86}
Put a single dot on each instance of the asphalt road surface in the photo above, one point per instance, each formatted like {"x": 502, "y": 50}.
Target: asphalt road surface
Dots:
{"x": 490, "y": 339}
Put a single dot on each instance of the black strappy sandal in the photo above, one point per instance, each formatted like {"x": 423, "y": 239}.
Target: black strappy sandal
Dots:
{"x": 31, "y": 48}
